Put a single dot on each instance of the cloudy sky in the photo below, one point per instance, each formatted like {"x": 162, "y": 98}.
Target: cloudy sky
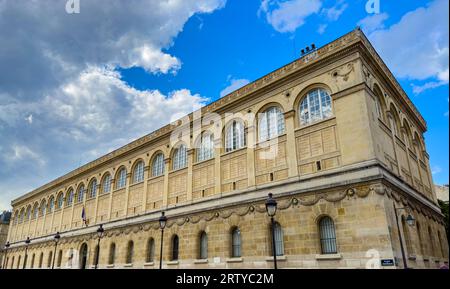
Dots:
{"x": 76, "y": 86}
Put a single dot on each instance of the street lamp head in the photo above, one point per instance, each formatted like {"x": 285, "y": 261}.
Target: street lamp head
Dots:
{"x": 162, "y": 221}
{"x": 57, "y": 237}
{"x": 410, "y": 220}
{"x": 27, "y": 241}
{"x": 271, "y": 206}
{"x": 100, "y": 231}
{"x": 7, "y": 245}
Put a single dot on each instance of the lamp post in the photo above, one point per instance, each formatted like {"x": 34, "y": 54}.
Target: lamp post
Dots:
{"x": 56, "y": 238}
{"x": 271, "y": 208}
{"x": 162, "y": 225}
{"x": 100, "y": 232}
{"x": 411, "y": 222}
{"x": 27, "y": 242}
{"x": 6, "y": 253}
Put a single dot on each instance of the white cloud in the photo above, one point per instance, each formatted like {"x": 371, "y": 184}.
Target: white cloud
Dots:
{"x": 436, "y": 170}
{"x": 418, "y": 89}
{"x": 333, "y": 13}
{"x": 373, "y": 22}
{"x": 417, "y": 46}
{"x": 234, "y": 85}
{"x": 322, "y": 28}
{"x": 287, "y": 16}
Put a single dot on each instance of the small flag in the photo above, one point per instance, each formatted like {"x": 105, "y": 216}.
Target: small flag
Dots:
{"x": 83, "y": 216}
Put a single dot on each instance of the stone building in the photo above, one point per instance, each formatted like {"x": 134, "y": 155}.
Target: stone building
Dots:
{"x": 334, "y": 138}
{"x": 442, "y": 192}
{"x": 4, "y": 225}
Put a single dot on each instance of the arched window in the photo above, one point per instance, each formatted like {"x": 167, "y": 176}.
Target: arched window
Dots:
{"x": 18, "y": 262}
{"x": 106, "y": 185}
{"x": 175, "y": 248}
{"x": 205, "y": 147}
{"x": 236, "y": 243}
{"x": 51, "y": 204}
{"x": 96, "y": 251}
{"x": 380, "y": 104}
{"x": 441, "y": 244}
{"x": 60, "y": 201}
{"x": 121, "y": 179}
{"x": 112, "y": 254}
{"x": 80, "y": 194}
{"x": 409, "y": 248}
{"x": 43, "y": 208}
{"x": 50, "y": 259}
{"x": 315, "y": 106}
{"x": 419, "y": 234}
{"x": 179, "y": 157}
{"x": 279, "y": 244}
{"x": 70, "y": 259}
{"x": 203, "y": 246}
{"x": 12, "y": 262}
{"x": 430, "y": 234}
{"x": 130, "y": 252}
{"x": 271, "y": 123}
{"x": 395, "y": 121}
{"x": 32, "y": 261}
{"x": 22, "y": 216}
{"x": 93, "y": 189}
{"x": 69, "y": 197}
{"x": 158, "y": 165}
{"x": 234, "y": 136}
{"x": 58, "y": 264}
{"x": 138, "y": 173}
{"x": 150, "y": 250}
{"x": 327, "y": 236}
{"x": 41, "y": 259}
{"x": 28, "y": 213}
{"x": 35, "y": 211}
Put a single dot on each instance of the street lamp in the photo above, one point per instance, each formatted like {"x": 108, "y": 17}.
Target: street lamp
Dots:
{"x": 27, "y": 242}
{"x": 162, "y": 225}
{"x": 100, "y": 232}
{"x": 411, "y": 222}
{"x": 56, "y": 238}
{"x": 6, "y": 253}
{"x": 271, "y": 208}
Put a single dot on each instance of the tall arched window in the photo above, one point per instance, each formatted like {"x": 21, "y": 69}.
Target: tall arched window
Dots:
{"x": 441, "y": 244}
{"x": 80, "y": 194}
{"x": 271, "y": 123}
{"x": 205, "y": 147}
{"x": 236, "y": 243}
{"x": 279, "y": 244}
{"x": 93, "y": 189}
{"x": 419, "y": 234}
{"x": 112, "y": 253}
{"x": 12, "y": 262}
{"x": 32, "y": 261}
{"x": 234, "y": 136}
{"x": 327, "y": 236}
{"x": 138, "y": 173}
{"x": 35, "y": 211}
{"x": 175, "y": 247}
{"x": 43, "y": 208}
{"x": 58, "y": 264}
{"x": 380, "y": 104}
{"x": 158, "y": 165}
{"x": 121, "y": 179}
{"x": 106, "y": 185}
{"x": 18, "y": 262}
{"x": 51, "y": 204}
{"x": 315, "y": 106}
{"x": 409, "y": 248}
{"x": 69, "y": 198}
{"x": 150, "y": 250}
{"x": 28, "y": 213}
{"x": 203, "y": 246}
{"x": 60, "y": 201}
{"x": 179, "y": 157}
{"x": 22, "y": 216}
{"x": 41, "y": 259}
{"x": 130, "y": 252}
{"x": 49, "y": 259}
{"x": 430, "y": 234}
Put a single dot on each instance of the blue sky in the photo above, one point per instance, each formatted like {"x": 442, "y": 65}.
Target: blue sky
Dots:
{"x": 72, "y": 92}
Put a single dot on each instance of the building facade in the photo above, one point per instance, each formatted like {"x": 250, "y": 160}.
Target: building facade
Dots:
{"x": 5, "y": 217}
{"x": 332, "y": 135}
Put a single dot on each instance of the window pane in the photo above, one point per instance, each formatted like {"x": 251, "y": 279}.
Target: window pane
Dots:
{"x": 180, "y": 158}
{"x": 327, "y": 236}
{"x": 158, "y": 166}
{"x": 138, "y": 175}
{"x": 203, "y": 246}
{"x": 122, "y": 181}
{"x": 279, "y": 246}
{"x": 107, "y": 184}
{"x": 236, "y": 243}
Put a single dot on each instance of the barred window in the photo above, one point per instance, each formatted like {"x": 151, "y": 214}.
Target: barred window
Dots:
{"x": 60, "y": 201}
{"x": 80, "y": 194}
{"x": 205, "y": 149}
{"x": 315, "y": 106}
{"x": 106, "y": 187}
{"x": 271, "y": 123}
{"x": 235, "y": 243}
{"x": 158, "y": 165}
{"x": 327, "y": 236}
{"x": 203, "y": 245}
{"x": 175, "y": 248}
{"x": 234, "y": 136}
{"x": 51, "y": 204}
{"x": 70, "y": 197}
{"x": 112, "y": 254}
{"x": 279, "y": 245}
{"x": 93, "y": 189}
{"x": 121, "y": 179}
{"x": 138, "y": 174}
{"x": 130, "y": 252}
{"x": 179, "y": 157}
{"x": 151, "y": 250}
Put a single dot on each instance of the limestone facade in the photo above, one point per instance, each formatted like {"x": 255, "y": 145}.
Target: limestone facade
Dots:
{"x": 349, "y": 164}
